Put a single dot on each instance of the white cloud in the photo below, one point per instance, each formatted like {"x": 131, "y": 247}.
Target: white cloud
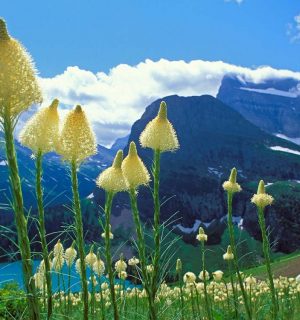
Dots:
{"x": 293, "y": 29}
{"x": 113, "y": 101}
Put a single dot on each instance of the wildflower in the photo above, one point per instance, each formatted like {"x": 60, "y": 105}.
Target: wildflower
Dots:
{"x": 250, "y": 280}
{"x": 112, "y": 179}
{"x": 204, "y": 275}
{"x": 19, "y": 88}
{"x": 122, "y": 275}
{"x": 111, "y": 236}
{"x": 120, "y": 265}
{"x": 40, "y": 133}
{"x": 104, "y": 286}
{"x": 70, "y": 255}
{"x": 91, "y": 258}
{"x": 77, "y": 140}
{"x": 231, "y": 185}
{"x": 133, "y": 168}
{"x": 261, "y": 199}
{"x": 133, "y": 261}
{"x": 178, "y": 265}
{"x": 189, "y": 277}
{"x": 149, "y": 268}
{"x": 218, "y": 275}
{"x": 159, "y": 133}
{"x": 228, "y": 255}
{"x": 298, "y": 278}
{"x": 201, "y": 236}
{"x": 58, "y": 249}
{"x": 57, "y": 263}
{"x": 99, "y": 267}
{"x": 39, "y": 280}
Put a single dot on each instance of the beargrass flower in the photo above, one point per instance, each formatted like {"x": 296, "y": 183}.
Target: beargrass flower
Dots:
{"x": 228, "y": 255}
{"x": 40, "y": 133}
{"x": 218, "y": 275}
{"x": 134, "y": 170}
{"x": 58, "y": 249}
{"x": 77, "y": 140}
{"x": 91, "y": 258}
{"x": 261, "y": 199}
{"x": 133, "y": 261}
{"x": 204, "y": 275}
{"x": 111, "y": 236}
{"x": 159, "y": 133}
{"x": 99, "y": 267}
{"x": 112, "y": 179}
{"x": 120, "y": 265}
{"x": 19, "y": 88}
{"x": 231, "y": 185}
{"x": 70, "y": 255}
{"x": 189, "y": 277}
{"x": 201, "y": 236}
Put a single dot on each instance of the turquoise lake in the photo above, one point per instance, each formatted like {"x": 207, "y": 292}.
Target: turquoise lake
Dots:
{"x": 12, "y": 272}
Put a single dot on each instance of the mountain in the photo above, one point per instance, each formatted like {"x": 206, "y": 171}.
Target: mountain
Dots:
{"x": 56, "y": 179}
{"x": 273, "y": 105}
{"x": 213, "y": 138}
{"x": 119, "y": 144}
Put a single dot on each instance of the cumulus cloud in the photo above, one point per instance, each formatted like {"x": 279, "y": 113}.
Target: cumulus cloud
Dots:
{"x": 293, "y": 29}
{"x": 114, "y": 100}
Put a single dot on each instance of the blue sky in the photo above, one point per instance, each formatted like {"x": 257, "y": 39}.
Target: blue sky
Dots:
{"x": 98, "y": 35}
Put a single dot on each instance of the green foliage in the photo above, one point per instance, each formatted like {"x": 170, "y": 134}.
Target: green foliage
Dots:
{"x": 12, "y": 302}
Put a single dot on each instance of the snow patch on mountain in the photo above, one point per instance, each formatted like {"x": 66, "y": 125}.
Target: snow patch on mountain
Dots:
{"x": 278, "y": 148}
{"x": 272, "y": 91}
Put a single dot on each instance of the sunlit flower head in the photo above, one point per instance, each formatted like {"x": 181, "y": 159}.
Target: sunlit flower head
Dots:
{"x": 40, "y": 133}
{"x": 261, "y": 199}
{"x": 99, "y": 267}
{"x": 70, "y": 255}
{"x": 112, "y": 179}
{"x": 159, "y": 133}
{"x": 231, "y": 185}
{"x": 19, "y": 88}
{"x": 218, "y": 275}
{"x": 120, "y": 265}
{"x": 133, "y": 261}
{"x": 229, "y": 254}
{"x": 77, "y": 140}
{"x": 178, "y": 265}
{"x": 189, "y": 277}
{"x": 134, "y": 170}
{"x": 201, "y": 236}
{"x": 204, "y": 275}
{"x": 91, "y": 258}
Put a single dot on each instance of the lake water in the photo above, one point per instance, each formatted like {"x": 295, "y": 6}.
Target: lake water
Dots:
{"x": 12, "y": 272}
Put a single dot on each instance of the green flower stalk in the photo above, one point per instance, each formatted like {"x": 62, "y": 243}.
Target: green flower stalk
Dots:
{"x": 202, "y": 237}
{"x": 137, "y": 175}
{"x": 232, "y": 187}
{"x": 112, "y": 181}
{"x": 261, "y": 200}
{"x": 40, "y": 134}
{"x": 77, "y": 142}
{"x": 160, "y": 136}
{"x": 18, "y": 91}
{"x": 179, "y": 274}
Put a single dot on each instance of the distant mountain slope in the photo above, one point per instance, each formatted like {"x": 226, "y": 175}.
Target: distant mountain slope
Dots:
{"x": 56, "y": 179}
{"x": 273, "y": 106}
{"x": 213, "y": 138}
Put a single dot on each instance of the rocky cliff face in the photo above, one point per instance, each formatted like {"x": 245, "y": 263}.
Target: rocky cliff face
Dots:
{"x": 273, "y": 106}
{"x": 213, "y": 138}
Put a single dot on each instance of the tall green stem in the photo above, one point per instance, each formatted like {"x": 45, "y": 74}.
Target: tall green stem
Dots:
{"x": 21, "y": 222}
{"x": 108, "y": 205}
{"x": 266, "y": 249}
{"x": 42, "y": 230}
{"x": 235, "y": 257}
{"x": 79, "y": 237}
{"x": 142, "y": 251}
{"x": 207, "y": 307}
{"x": 156, "y": 173}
